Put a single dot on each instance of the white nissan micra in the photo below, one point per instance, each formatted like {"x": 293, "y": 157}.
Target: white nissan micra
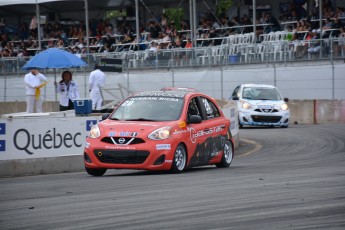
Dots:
{"x": 261, "y": 105}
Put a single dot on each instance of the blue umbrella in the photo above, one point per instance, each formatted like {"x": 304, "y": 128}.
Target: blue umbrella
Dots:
{"x": 54, "y": 58}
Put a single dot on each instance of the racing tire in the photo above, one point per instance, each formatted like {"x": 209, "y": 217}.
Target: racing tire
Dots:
{"x": 227, "y": 157}
{"x": 284, "y": 126}
{"x": 179, "y": 160}
{"x": 95, "y": 172}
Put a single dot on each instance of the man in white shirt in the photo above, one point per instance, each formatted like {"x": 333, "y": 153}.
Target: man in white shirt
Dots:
{"x": 33, "y": 83}
{"x": 96, "y": 82}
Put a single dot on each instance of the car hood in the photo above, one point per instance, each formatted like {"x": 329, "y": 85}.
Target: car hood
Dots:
{"x": 131, "y": 128}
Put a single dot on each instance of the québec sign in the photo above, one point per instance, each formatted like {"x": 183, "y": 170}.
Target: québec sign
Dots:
{"x": 27, "y": 137}
{"x": 24, "y": 140}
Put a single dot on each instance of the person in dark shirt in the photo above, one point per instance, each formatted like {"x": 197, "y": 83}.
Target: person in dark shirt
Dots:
{"x": 274, "y": 25}
{"x": 336, "y": 25}
{"x": 154, "y": 30}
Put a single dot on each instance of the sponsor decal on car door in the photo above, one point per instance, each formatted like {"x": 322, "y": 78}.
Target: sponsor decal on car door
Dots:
{"x": 207, "y": 135}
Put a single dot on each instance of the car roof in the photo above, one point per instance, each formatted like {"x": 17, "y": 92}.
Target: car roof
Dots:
{"x": 179, "y": 89}
{"x": 258, "y": 85}
{"x": 178, "y": 94}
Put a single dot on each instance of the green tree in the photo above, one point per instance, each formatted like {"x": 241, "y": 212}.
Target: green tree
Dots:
{"x": 223, "y": 6}
{"x": 176, "y": 15}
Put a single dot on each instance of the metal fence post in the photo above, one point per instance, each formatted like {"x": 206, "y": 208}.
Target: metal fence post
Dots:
{"x": 332, "y": 64}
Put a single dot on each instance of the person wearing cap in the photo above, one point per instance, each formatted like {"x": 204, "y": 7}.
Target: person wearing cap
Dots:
{"x": 34, "y": 81}
{"x": 96, "y": 82}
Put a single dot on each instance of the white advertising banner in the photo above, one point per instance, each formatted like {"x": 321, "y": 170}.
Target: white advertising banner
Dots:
{"x": 231, "y": 112}
{"x": 44, "y": 136}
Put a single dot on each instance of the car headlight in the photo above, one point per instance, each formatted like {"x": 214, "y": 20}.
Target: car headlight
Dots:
{"x": 246, "y": 105}
{"x": 284, "y": 107}
{"x": 94, "y": 132}
{"x": 160, "y": 134}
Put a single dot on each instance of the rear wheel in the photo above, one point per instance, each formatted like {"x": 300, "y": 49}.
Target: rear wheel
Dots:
{"x": 95, "y": 172}
{"x": 180, "y": 159}
{"x": 228, "y": 154}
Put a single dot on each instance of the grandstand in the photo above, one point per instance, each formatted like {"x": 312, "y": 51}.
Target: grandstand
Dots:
{"x": 216, "y": 41}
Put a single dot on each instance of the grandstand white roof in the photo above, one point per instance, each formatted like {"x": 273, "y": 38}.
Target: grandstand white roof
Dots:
{"x": 20, "y": 8}
{"x": 15, "y": 2}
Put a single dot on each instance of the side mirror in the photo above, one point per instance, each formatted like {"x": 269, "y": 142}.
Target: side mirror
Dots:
{"x": 194, "y": 119}
{"x": 286, "y": 99}
{"x": 235, "y": 98}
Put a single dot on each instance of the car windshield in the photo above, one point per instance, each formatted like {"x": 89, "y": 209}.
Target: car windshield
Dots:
{"x": 260, "y": 93}
{"x": 149, "y": 109}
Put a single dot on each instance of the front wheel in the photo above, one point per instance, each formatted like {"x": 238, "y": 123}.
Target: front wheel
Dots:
{"x": 228, "y": 154}
{"x": 180, "y": 159}
{"x": 95, "y": 172}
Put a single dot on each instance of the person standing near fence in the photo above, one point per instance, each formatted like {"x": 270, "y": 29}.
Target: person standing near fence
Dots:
{"x": 68, "y": 90}
{"x": 34, "y": 81}
{"x": 96, "y": 82}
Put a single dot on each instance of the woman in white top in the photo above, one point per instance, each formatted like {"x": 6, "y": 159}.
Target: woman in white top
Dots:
{"x": 68, "y": 90}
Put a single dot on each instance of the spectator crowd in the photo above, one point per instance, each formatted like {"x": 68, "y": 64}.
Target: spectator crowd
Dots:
{"x": 158, "y": 33}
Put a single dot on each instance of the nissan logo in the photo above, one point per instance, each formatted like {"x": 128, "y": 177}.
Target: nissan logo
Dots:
{"x": 122, "y": 140}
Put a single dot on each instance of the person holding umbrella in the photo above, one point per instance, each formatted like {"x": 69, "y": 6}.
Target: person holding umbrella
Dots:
{"x": 96, "y": 82}
{"x": 34, "y": 81}
{"x": 68, "y": 90}
{"x": 54, "y": 58}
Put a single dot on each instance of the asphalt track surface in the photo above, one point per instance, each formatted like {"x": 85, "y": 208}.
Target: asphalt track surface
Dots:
{"x": 280, "y": 179}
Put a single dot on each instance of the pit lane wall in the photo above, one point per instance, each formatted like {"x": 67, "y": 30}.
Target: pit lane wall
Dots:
{"x": 53, "y": 142}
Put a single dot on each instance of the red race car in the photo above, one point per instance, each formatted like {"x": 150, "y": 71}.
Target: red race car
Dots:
{"x": 160, "y": 130}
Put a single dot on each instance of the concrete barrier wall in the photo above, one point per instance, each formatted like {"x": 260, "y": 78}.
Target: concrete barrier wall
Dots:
{"x": 329, "y": 111}
{"x": 37, "y": 166}
{"x": 20, "y": 106}
{"x": 317, "y": 111}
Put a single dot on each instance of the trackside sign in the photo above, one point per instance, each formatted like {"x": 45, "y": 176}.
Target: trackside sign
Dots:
{"x": 37, "y": 137}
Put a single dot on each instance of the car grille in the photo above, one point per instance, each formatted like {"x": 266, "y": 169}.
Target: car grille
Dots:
{"x": 266, "y": 110}
{"x": 121, "y": 156}
{"x": 123, "y": 140}
{"x": 268, "y": 119}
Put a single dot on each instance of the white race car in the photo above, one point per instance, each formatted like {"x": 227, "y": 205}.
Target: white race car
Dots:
{"x": 261, "y": 105}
